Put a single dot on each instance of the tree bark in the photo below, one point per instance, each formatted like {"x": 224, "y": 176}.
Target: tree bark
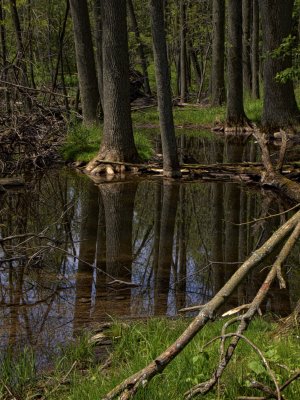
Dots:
{"x": 246, "y": 45}
{"x": 235, "y": 106}
{"x": 170, "y": 157}
{"x": 255, "y": 50}
{"x": 280, "y": 107}
{"x": 4, "y": 54}
{"x": 85, "y": 61}
{"x": 118, "y": 142}
{"x": 98, "y": 45}
{"x": 183, "y": 53}
{"x": 218, "y": 49}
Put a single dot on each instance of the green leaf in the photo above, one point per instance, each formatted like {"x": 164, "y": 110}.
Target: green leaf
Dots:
{"x": 256, "y": 367}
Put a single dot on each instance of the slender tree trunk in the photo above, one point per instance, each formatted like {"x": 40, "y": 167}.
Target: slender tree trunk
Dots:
{"x": 183, "y": 53}
{"x": 21, "y": 62}
{"x": 141, "y": 50}
{"x": 61, "y": 44}
{"x": 118, "y": 142}
{"x": 255, "y": 50}
{"x": 4, "y": 55}
{"x": 85, "y": 61}
{"x": 246, "y": 45}
{"x": 235, "y": 106}
{"x": 170, "y": 156}
{"x": 98, "y": 45}
{"x": 218, "y": 49}
{"x": 30, "y": 44}
{"x": 195, "y": 63}
{"x": 280, "y": 107}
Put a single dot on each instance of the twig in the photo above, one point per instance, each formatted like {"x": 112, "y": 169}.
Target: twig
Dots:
{"x": 258, "y": 351}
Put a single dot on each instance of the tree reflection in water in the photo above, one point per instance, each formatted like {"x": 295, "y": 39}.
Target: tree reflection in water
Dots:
{"x": 168, "y": 245}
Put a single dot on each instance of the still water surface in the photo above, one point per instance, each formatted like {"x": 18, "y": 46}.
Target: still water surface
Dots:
{"x": 173, "y": 244}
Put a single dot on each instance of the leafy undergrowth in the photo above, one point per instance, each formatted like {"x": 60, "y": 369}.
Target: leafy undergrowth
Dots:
{"x": 78, "y": 376}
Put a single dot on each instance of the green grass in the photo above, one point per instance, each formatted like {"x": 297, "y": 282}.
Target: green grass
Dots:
{"x": 82, "y": 143}
{"x": 138, "y": 343}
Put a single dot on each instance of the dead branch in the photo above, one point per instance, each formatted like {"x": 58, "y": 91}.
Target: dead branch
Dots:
{"x": 206, "y": 386}
{"x": 129, "y": 387}
{"x": 267, "y": 389}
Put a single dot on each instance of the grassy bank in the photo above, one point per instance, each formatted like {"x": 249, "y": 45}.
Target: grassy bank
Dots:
{"x": 82, "y": 144}
{"x": 77, "y": 375}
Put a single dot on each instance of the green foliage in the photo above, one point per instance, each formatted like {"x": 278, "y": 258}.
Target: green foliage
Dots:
{"x": 288, "y": 48}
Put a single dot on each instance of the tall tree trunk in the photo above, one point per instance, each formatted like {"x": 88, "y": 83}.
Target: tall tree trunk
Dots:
{"x": 235, "y": 106}
{"x": 61, "y": 44}
{"x": 4, "y": 55}
{"x": 167, "y": 130}
{"x": 255, "y": 50}
{"x": 118, "y": 142}
{"x": 218, "y": 49}
{"x": 183, "y": 53}
{"x": 98, "y": 45}
{"x": 141, "y": 51}
{"x": 85, "y": 61}
{"x": 20, "y": 48}
{"x": 280, "y": 107}
{"x": 246, "y": 45}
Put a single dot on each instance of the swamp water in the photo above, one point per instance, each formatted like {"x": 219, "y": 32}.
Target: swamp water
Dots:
{"x": 127, "y": 249}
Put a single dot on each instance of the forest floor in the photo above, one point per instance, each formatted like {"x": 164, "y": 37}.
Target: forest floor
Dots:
{"x": 93, "y": 365}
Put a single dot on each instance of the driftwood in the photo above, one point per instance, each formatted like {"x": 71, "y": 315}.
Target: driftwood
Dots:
{"x": 129, "y": 387}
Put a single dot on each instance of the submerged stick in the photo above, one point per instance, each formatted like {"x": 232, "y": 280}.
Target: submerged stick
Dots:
{"x": 129, "y": 387}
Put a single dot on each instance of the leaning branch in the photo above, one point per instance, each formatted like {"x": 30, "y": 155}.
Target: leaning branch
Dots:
{"x": 129, "y": 387}
{"x": 206, "y": 386}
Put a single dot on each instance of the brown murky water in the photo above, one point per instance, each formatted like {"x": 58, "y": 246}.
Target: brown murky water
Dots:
{"x": 173, "y": 244}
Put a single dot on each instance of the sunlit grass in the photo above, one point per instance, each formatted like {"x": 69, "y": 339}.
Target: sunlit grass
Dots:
{"x": 82, "y": 143}
{"x": 137, "y": 343}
